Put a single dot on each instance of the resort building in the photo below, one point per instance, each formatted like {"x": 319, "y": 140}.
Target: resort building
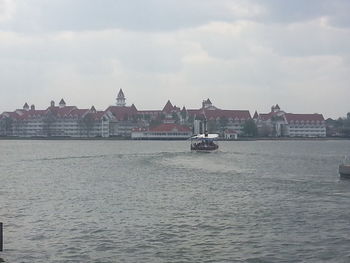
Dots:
{"x": 278, "y": 123}
{"x": 58, "y": 121}
{"x": 170, "y": 122}
{"x": 218, "y": 120}
{"x": 305, "y": 125}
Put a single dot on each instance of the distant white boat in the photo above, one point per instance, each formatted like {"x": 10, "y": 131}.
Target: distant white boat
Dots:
{"x": 204, "y": 142}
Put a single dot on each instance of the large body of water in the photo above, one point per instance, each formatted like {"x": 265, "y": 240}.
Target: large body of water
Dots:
{"x": 153, "y": 201}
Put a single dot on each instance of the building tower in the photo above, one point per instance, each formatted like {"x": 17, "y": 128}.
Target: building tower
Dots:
{"x": 26, "y": 107}
{"x": 120, "y": 98}
{"x": 62, "y": 103}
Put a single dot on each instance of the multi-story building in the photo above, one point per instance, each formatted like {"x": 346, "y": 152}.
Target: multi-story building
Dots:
{"x": 120, "y": 120}
{"x": 217, "y": 120}
{"x": 57, "y": 121}
{"x": 305, "y": 125}
{"x": 278, "y": 123}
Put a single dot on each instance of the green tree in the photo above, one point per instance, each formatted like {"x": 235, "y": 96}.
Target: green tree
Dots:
{"x": 250, "y": 128}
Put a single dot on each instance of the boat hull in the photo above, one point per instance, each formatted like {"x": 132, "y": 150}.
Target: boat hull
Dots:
{"x": 204, "y": 151}
{"x": 344, "y": 171}
{"x": 205, "y": 148}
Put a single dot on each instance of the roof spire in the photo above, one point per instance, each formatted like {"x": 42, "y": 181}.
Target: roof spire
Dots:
{"x": 62, "y": 103}
{"x": 121, "y": 98}
{"x": 26, "y": 106}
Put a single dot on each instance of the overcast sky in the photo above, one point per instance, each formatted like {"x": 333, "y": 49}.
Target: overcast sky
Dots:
{"x": 242, "y": 54}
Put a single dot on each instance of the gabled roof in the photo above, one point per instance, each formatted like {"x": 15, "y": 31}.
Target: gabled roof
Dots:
{"x": 266, "y": 116}
{"x": 120, "y": 112}
{"x": 12, "y": 115}
{"x": 78, "y": 112}
{"x": 61, "y": 112}
{"x": 62, "y": 102}
{"x": 291, "y": 117}
{"x": 98, "y": 115}
{"x": 218, "y": 113}
{"x": 133, "y": 107}
{"x": 256, "y": 115}
{"x": 24, "y": 115}
{"x": 234, "y": 114}
{"x": 168, "y": 107}
{"x": 169, "y": 127}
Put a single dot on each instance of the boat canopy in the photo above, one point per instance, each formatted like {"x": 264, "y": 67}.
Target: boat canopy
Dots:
{"x": 210, "y": 136}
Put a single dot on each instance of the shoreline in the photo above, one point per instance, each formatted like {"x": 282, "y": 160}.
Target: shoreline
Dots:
{"x": 5, "y": 138}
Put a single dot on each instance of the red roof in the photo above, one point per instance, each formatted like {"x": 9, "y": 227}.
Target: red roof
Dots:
{"x": 266, "y": 116}
{"x": 78, "y": 112}
{"x": 98, "y": 115}
{"x": 12, "y": 115}
{"x": 217, "y": 113}
{"x": 233, "y": 114}
{"x": 122, "y": 112}
{"x": 61, "y": 112}
{"x": 169, "y": 127}
{"x": 195, "y": 112}
{"x": 33, "y": 113}
{"x": 168, "y": 107}
{"x": 304, "y": 117}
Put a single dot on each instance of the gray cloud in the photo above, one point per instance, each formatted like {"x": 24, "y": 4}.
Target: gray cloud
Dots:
{"x": 137, "y": 15}
{"x": 242, "y": 54}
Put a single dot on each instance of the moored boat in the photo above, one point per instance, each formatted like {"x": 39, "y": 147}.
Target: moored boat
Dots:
{"x": 204, "y": 143}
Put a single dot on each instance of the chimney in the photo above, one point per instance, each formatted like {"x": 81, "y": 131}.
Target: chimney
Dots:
{"x": 52, "y": 103}
{"x": 32, "y": 107}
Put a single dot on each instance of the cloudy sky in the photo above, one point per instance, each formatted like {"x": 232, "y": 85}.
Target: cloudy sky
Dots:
{"x": 242, "y": 54}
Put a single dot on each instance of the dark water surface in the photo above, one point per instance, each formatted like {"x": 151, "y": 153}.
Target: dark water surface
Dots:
{"x": 151, "y": 201}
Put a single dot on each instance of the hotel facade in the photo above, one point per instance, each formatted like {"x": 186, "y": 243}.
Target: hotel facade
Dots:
{"x": 171, "y": 122}
{"x": 278, "y": 123}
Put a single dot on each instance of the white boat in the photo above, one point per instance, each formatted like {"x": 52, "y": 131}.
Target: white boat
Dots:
{"x": 344, "y": 168}
{"x": 204, "y": 142}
